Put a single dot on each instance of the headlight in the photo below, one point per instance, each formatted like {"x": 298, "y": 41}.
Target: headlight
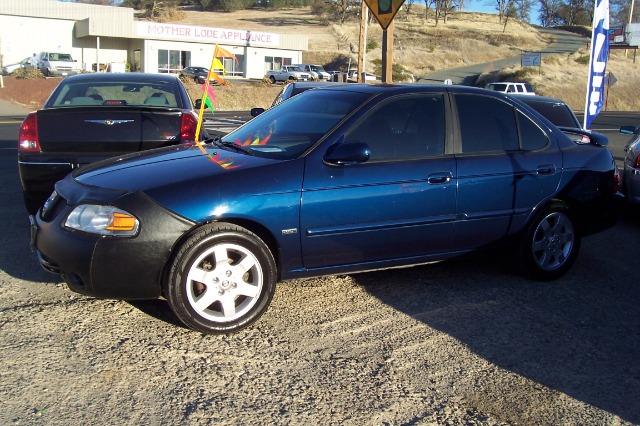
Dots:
{"x": 102, "y": 220}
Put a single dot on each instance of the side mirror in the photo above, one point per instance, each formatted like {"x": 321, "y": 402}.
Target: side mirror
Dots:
{"x": 256, "y": 111}
{"x": 348, "y": 153}
{"x": 198, "y": 103}
{"x": 627, "y": 130}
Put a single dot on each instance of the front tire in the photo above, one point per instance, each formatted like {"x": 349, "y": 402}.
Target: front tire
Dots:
{"x": 550, "y": 244}
{"x": 222, "y": 279}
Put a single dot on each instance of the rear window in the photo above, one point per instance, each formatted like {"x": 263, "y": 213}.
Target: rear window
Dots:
{"x": 559, "y": 114}
{"x": 115, "y": 93}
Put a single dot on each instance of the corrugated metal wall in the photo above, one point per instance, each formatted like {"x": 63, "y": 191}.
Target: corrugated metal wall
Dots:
{"x": 62, "y": 10}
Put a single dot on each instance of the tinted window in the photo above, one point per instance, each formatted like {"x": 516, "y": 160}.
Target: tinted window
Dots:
{"x": 486, "y": 124}
{"x": 294, "y": 126}
{"x": 115, "y": 93}
{"x": 558, "y": 113}
{"x": 403, "y": 128}
{"x": 530, "y": 135}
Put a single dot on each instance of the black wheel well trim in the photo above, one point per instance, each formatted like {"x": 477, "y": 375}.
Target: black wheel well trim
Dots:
{"x": 570, "y": 204}
{"x": 261, "y": 231}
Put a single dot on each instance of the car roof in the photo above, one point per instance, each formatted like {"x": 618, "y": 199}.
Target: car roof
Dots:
{"x": 129, "y": 76}
{"x": 313, "y": 84}
{"x": 400, "y": 88}
{"x": 537, "y": 98}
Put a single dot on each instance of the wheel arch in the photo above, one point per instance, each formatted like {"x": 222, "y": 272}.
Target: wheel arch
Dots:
{"x": 571, "y": 205}
{"x": 261, "y": 231}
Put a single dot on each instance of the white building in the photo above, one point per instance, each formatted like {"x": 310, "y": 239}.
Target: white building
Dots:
{"x": 110, "y": 35}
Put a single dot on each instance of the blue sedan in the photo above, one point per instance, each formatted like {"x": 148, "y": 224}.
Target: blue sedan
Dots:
{"x": 335, "y": 180}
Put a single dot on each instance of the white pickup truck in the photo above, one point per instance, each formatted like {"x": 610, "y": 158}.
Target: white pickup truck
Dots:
{"x": 57, "y": 64}
{"x": 288, "y": 73}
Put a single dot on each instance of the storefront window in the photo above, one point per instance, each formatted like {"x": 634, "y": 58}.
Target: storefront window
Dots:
{"x": 233, "y": 67}
{"x": 275, "y": 63}
{"x": 172, "y": 61}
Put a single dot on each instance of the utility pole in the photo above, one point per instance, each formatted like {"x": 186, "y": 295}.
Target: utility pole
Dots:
{"x": 362, "y": 45}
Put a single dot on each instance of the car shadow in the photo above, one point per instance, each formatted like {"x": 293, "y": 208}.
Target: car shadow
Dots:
{"x": 578, "y": 335}
{"x": 16, "y": 257}
{"x": 158, "y": 309}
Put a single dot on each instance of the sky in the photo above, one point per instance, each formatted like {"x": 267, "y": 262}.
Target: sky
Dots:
{"x": 486, "y": 6}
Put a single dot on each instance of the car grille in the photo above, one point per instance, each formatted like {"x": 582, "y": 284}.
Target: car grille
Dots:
{"x": 53, "y": 208}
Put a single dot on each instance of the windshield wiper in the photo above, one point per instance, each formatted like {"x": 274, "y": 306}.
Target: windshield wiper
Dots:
{"x": 227, "y": 144}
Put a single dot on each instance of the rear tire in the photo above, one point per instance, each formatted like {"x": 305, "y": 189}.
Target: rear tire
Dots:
{"x": 272, "y": 79}
{"x": 550, "y": 245}
{"x": 221, "y": 280}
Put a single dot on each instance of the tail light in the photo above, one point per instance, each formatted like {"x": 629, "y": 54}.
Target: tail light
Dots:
{"x": 636, "y": 164}
{"x": 616, "y": 180}
{"x": 28, "y": 137}
{"x": 584, "y": 139}
{"x": 188, "y": 127}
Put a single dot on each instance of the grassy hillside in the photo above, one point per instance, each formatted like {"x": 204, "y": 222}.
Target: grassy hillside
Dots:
{"x": 421, "y": 46}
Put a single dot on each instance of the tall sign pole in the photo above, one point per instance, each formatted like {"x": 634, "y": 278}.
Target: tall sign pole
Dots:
{"x": 385, "y": 11}
{"x": 362, "y": 46}
{"x": 387, "y": 54}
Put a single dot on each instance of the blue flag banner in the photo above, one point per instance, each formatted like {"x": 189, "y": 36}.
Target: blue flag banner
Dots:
{"x": 597, "y": 62}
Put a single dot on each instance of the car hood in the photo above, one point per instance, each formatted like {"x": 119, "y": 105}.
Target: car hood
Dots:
{"x": 165, "y": 166}
{"x": 184, "y": 180}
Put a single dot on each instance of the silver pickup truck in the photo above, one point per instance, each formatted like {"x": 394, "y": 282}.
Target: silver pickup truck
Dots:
{"x": 288, "y": 73}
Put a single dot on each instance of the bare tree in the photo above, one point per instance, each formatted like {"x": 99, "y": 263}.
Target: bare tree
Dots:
{"x": 501, "y": 8}
{"x": 407, "y": 5}
{"x": 549, "y": 12}
{"x": 523, "y": 9}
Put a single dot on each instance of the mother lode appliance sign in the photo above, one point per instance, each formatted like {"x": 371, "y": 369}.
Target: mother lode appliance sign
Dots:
{"x": 206, "y": 34}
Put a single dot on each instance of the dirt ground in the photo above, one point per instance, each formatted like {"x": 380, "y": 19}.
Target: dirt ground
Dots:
{"x": 465, "y": 342}
{"x": 30, "y": 93}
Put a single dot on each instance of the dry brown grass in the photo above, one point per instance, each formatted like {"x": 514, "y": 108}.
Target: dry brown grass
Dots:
{"x": 238, "y": 96}
{"x": 421, "y": 47}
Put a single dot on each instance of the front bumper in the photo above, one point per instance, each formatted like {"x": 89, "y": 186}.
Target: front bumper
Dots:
{"x": 57, "y": 72}
{"x": 109, "y": 267}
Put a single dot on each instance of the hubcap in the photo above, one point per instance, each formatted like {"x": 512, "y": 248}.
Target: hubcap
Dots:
{"x": 553, "y": 241}
{"x": 224, "y": 282}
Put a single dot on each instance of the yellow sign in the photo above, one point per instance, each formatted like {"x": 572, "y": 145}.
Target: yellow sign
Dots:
{"x": 384, "y": 10}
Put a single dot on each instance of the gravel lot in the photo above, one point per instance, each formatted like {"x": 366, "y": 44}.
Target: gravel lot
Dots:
{"x": 465, "y": 342}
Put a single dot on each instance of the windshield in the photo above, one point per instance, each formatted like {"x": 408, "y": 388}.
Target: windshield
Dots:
{"x": 317, "y": 68}
{"x": 288, "y": 130}
{"x": 497, "y": 86}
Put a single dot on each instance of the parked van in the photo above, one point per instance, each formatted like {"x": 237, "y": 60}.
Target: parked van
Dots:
{"x": 317, "y": 71}
{"x": 510, "y": 87}
{"x": 57, "y": 64}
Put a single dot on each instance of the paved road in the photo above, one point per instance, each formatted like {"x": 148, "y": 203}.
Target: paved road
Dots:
{"x": 566, "y": 42}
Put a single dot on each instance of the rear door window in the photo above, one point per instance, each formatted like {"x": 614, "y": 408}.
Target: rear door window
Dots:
{"x": 487, "y": 124}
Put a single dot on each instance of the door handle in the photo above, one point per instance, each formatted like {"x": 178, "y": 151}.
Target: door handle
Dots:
{"x": 546, "y": 169}
{"x": 439, "y": 178}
